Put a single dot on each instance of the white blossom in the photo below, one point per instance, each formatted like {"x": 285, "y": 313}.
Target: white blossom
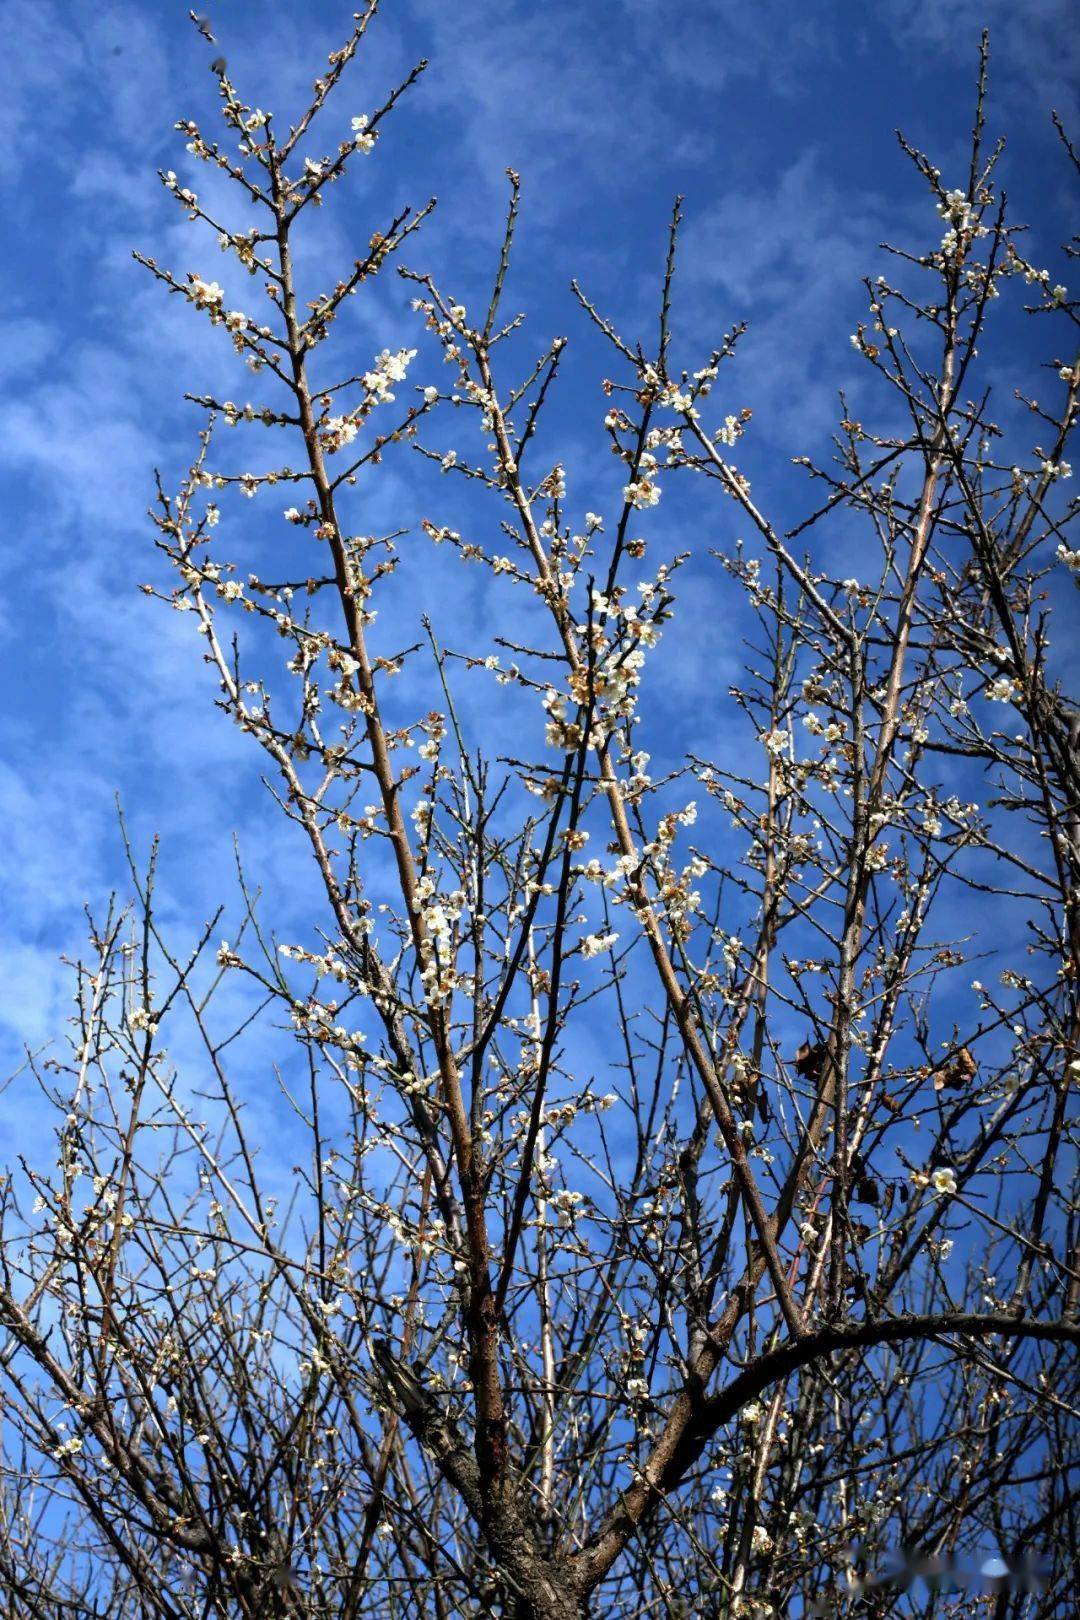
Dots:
{"x": 363, "y": 138}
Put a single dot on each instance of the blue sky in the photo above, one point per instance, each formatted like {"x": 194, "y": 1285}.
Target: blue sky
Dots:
{"x": 775, "y": 121}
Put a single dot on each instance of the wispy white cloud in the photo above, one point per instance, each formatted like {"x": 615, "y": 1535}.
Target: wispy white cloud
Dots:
{"x": 607, "y": 110}
{"x": 713, "y": 43}
{"x": 72, "y": 74}
{"x": 40, "y": 61}
{"x": 1035, "y": 49}
{"x": 788, "y": 257}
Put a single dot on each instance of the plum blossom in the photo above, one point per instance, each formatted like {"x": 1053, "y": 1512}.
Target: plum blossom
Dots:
{"x": 338, "y": 431}
{"x": 388, "y": 368}
{"x": 206, "y": 294}
{"x": 363, "y": 138}
{"x": 642, "y": 492}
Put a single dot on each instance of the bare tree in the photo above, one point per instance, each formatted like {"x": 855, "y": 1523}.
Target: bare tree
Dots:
{"x": 792, "y": 1279}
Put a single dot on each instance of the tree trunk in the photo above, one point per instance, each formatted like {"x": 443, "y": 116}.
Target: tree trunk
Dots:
{"x": 545, "y": 1594}
{"x": 537, "y": 1587}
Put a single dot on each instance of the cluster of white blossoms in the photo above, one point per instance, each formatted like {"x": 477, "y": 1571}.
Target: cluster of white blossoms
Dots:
{"x": 1004, "y": 690}
{"x": 675, "y": 890}
{"x": 210, "y": 296}
{"x": 963, "y": 227}
{"x": 669, "y": 439}
{"x": 363, "y": 137}
{"x": 594, "y": 871}
{"x": 554, "y": 485}
{"x": 565, "y": 1203}
{"x": 387, "y": 370}
{"x": 561, "y": 1115}
{"x": 205, "y": 294}
{"x": 439, "y": 915}
{"x": 324, "y": 964}
{"x": 941, "y": 1181}
{"x": 439, "y": 533}
{"x": 559, "y": 732}
{"x": 337, "y": 432}
{"x": 243, "y": 245}
{"x": 316, "y": 1018}
{"x": 1035, "y": 277}
{"x": 597, "y": 944}
{"x": 420, "y": 815}
{"x": 731, "y": 432}
{"x": 678, "y": 399}
{"x": 644, "y": 490}
{"x": 668, "y": 827}
{"x": 182, "y": 193}
{"x": 1070, "y": 558}
{"x": 832, "y": 731}
{"x": 617, "y": 633}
